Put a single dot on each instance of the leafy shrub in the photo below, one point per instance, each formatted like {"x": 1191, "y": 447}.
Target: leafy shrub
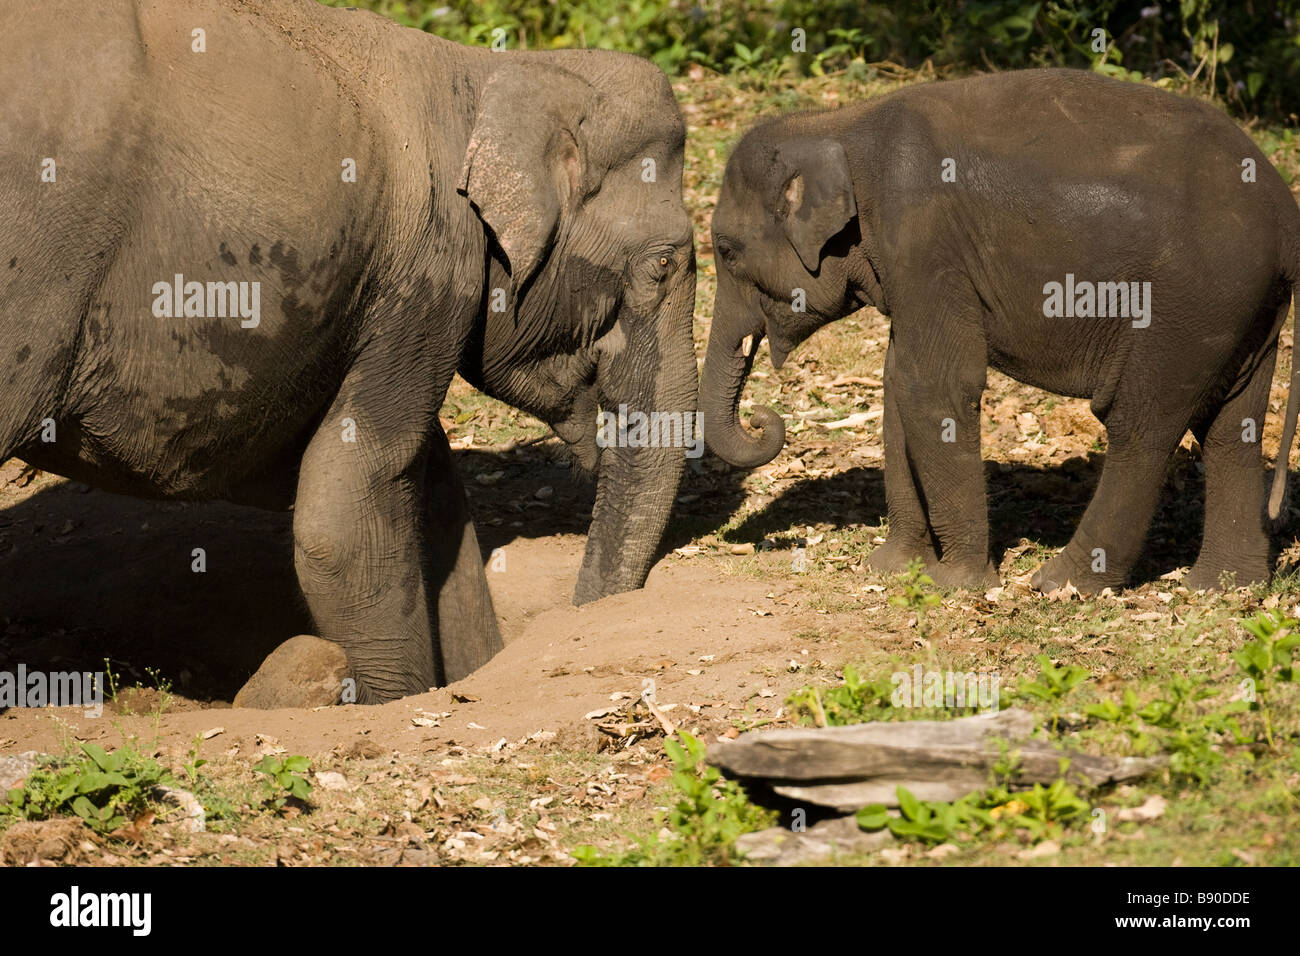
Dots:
{"x": 284, "y": 780}
{"x": 703, "y": 824}
{"x": 104, "y": 789}
{"x": 1246, "y": 54}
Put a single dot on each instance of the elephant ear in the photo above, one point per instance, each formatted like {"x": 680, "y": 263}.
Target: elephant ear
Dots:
{"x": 525, "y": 161}
{"x": 816, "y": 199}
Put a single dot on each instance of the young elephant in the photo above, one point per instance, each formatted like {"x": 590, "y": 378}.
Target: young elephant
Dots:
{"x": 246, "y": 246}
{"x": 1091, "y": 237}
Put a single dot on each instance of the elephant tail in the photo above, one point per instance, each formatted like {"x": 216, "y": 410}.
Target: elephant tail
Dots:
{"x": 1277, "y": 495}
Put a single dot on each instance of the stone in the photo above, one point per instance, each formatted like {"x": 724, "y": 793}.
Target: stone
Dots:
{"x": 304, "y": 671}
{"x": 847, "y": 768}
{"x": 14, "y": 770}
{"x": 192, "y": 818}
{"x": 838, "y": 836}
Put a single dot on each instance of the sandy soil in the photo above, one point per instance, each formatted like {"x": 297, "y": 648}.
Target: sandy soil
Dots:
{"x": 90, "y": 575}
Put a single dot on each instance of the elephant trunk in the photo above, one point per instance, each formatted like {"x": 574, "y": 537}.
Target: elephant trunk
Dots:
{"x": 733, "y": 341}
{"x": 654, "y": 383}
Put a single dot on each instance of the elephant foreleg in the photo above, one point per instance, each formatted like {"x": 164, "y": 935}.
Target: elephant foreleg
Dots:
{"x": 909, "y": 532}
{"x": 359, "y": 520}
{"x": 940, "y": 377}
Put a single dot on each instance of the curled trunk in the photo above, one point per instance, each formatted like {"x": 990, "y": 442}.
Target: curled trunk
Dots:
{"x": 726, "y": 367}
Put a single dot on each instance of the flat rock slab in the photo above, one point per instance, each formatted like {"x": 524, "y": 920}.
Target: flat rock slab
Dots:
{"x": 777, "y": 846}
{"x": 847, "y": 768}
{"x": 304, "y": 671}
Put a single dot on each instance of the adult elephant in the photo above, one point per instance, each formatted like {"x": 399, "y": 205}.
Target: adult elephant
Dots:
{"x": 245, "y": 246}
{"x": 1091, "y": 237}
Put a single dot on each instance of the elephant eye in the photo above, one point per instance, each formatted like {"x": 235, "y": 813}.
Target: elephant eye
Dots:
{"x": 662, "y": 266}
{"x": 728, "y": 249}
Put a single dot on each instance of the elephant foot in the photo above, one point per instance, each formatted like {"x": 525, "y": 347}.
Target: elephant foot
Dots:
{"x": 898, "y": 551}
{"x": 1218, "y": 575}
{"x": 304, "y": 671}
{"x": 1061, "y": 570}
{"x": 969, "y": 574}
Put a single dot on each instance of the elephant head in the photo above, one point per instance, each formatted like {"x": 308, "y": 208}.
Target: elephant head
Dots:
{"x": 574, "y": 165}
{"x": 785, "y": 223}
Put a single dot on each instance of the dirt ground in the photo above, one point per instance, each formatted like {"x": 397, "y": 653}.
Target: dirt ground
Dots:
{"x": 560, "y": 661}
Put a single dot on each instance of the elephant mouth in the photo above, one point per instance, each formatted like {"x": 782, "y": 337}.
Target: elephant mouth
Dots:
{"x": 778, "y": 351}
{"x": 578, "y": 432}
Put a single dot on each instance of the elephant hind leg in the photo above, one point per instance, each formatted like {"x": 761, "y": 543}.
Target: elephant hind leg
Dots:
{"x": 466, "y": 636}
{"x": 1141, "y": 438}
{"x": 1235, "y": 543}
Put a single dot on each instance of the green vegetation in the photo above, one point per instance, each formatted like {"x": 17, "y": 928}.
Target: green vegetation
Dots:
{"x": 994, "y": 814}
{"x": 284, "y": 781}
{"x": 702, "y": 825}
{"x": 856, "y": 701}
{"x": 918, "y": 595}
{"x": 1053, "y": 683}
{"x": 107, "y": 790}
{"x": 1246, "y": 55}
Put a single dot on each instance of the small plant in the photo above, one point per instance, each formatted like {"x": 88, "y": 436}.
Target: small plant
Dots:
{"x": 917, "y": 595}
{"x": 854, "y": 702}
{"x": 930, "y": 821}
{"x": 1053, "y": 684}
{"x": 107, "y": 790}
{"x": 123, "y": 698}
{"x": 284, "y": 781}
{"x": 1055, "y": 803}
{"x": 710, "y": 813}
{"x": 1180, "y": 728}
{"x": 112, "y": 680}
{"x": 1039, "y": 811}
{"x": 1268, "y": 659}
{"x": 192, "y": 766}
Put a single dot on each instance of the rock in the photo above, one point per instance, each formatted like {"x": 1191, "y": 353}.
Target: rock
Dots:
{"x": 942, "y": 850}
{"x": 1153, "y": 808}
{"x": 846, "y": 768}
{"x": 304, "y": 671}
{"x": 413, "y": 857}
{"x": 332, "y": 780}
{"x": 46, "y": 841}
{"x": 192, "y": 818}
{"x": 1042, "y": 851}
{"x": 360, "y": 748}
{"x": 778, "y": 846}
{"x": 14, "y": 770}
{"x": 895, "y": 856}
{"x": 848, "y": 797}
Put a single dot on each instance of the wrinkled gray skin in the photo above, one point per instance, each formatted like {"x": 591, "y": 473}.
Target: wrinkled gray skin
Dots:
{"x": 1056, "y": 172}
{"x": 475, "y": 171}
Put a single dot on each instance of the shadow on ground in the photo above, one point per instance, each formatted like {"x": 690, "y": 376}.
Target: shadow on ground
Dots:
{"x": 88, "y": 575}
